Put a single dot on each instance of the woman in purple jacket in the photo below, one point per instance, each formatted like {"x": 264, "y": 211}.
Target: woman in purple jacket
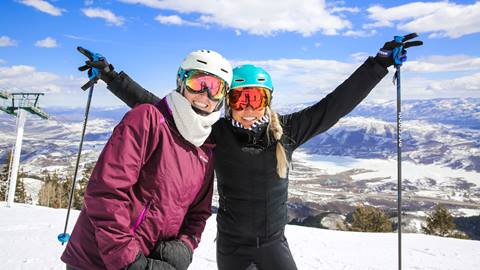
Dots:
{"x": 150, "y": 193}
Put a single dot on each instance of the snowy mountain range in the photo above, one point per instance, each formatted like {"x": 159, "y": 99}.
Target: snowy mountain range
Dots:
{"x": 353, "y": 162}
{"x": 437, "y": 131}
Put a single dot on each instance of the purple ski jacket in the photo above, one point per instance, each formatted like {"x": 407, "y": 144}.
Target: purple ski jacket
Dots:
{"x": 149, "y": 185}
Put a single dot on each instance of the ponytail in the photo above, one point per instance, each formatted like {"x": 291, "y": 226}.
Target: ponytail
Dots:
{"x": 277, "y": 131}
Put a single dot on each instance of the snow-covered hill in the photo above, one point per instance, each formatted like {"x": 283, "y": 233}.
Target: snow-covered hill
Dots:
{"x": 423, "y": 142}
{"x": 28, "y": 241}
{"x": 445, "y": 132}
{"x": 352, "y": 163}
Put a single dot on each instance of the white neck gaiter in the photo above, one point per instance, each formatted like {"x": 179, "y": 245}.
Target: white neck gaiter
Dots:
{"x": 194, "y": 127}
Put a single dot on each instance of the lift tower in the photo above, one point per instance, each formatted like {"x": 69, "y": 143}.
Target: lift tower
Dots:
{"x": 21, "y": 103}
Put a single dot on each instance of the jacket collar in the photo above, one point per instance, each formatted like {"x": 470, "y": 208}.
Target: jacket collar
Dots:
{"x": 162, "y": 105}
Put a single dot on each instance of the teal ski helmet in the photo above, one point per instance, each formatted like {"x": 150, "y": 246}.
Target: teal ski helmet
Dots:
{"x": 250, "y": 75}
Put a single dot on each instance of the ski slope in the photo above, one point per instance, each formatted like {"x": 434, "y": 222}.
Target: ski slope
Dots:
{"x": 28, "y": 240}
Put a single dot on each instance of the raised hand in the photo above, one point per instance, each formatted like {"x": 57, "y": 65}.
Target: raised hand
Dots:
{"x": 394, "y": 52}
{"x": 97, "y": 66}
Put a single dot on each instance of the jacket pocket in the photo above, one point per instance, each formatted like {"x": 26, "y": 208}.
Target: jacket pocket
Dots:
{"x": 140, "y": 217}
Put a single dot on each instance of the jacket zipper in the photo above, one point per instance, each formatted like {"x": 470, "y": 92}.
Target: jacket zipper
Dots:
{"x": 140, "y": 218}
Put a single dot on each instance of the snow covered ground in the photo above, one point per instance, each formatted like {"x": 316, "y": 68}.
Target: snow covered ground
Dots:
{"x": 28, "y": 241}
{"x": 386, "y": 168}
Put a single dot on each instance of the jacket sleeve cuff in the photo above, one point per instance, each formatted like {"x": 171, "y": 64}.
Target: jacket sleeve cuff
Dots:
{"x": 189, "y": 242}
{"x": 379, "y": 69}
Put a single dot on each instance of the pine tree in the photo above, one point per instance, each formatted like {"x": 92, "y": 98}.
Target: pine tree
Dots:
{"x": 370, "y": 219}
{"x": 21, "y": 195}
{"x": 50, "y": 193}
{"x": 440, "y": 222}
{"x": 81, "y": 186}
{"x": 4, "y": 178}
{"x": 3, "y": 182}
{"x": 20, "y": 192}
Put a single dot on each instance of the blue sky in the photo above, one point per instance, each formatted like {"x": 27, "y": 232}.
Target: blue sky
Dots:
{"x": 308, "y": 46}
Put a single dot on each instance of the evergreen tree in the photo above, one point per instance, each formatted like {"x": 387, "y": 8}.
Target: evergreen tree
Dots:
{"x": 440, "y": 222}
{"x": 20, "y": 192}
{"x": 369, "y": 219}
{"x": 55, "y": 190}
{"x": 4, "y": 180}
{"x": 82, "y": 186}
{"x": 50, "y": 193}
{"x": 21, "y": 195}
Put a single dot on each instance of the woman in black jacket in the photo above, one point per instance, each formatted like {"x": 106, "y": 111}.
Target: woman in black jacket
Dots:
{"x": 254, "y": 146}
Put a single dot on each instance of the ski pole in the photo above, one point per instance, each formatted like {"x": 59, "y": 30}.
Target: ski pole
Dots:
{"x": 400, "y": 56}
{"x": 399, "y": 165}
{"x": 93, "y": 76}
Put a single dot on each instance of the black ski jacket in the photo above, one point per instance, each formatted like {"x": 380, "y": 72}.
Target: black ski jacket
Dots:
{"x": 252, "y": 197}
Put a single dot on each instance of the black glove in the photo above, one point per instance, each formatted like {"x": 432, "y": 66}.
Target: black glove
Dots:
{"x": 97, "y": 66}
{"x": 386, "y": 55}
{"x": 143, "y": 263}
{"x": 174, "y": 252}
{"x": 140, "y": 263}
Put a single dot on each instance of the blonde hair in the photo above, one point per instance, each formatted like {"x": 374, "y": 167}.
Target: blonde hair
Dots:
{"x": 276, "y": 129}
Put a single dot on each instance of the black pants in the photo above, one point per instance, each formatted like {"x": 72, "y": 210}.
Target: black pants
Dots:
{"x": 274, "y": 255}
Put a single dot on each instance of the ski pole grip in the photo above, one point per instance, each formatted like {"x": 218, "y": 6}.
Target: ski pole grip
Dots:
{"x": 397, "y": 51}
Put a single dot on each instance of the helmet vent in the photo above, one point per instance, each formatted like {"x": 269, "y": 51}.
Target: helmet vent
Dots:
{"x": 261, "y": 79}
{"x": 224, "y": 70}
{"x": 203, "y": 62}
{"x": 239, "y": 80}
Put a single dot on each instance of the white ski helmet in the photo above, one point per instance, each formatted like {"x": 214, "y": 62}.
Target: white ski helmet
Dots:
{"x": 208, "y": 61}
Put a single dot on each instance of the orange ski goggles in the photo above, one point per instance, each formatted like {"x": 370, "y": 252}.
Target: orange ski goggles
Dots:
{"x": 198, "y": 82}
{"x": 255, "y": 97}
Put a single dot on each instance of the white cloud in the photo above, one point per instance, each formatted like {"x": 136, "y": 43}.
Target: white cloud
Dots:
{"x": 463, "y": 83}
{"x": 174, "y": 20}
{"x": 453, "y": 63}
{"x": 2, "y": 62}
{"x": 27, "y": 78}
{"x": 76, "y": 37}
{"x": 300, "y": 80}
{"x": 345, "y": 9}
{"x": 360, "y": 33}
{"x": 266, "y": 17}
{"x": 7, "y": 42}
{"x": 88, "y": 2}
{"x": 43, "y": 6}
{"x": 48, "y": 42}
{"x": 440, "y": 19}
{"x": 105, "y": 14}
{"x": 303, "y": 80}
{"x": 317, "y": 44}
